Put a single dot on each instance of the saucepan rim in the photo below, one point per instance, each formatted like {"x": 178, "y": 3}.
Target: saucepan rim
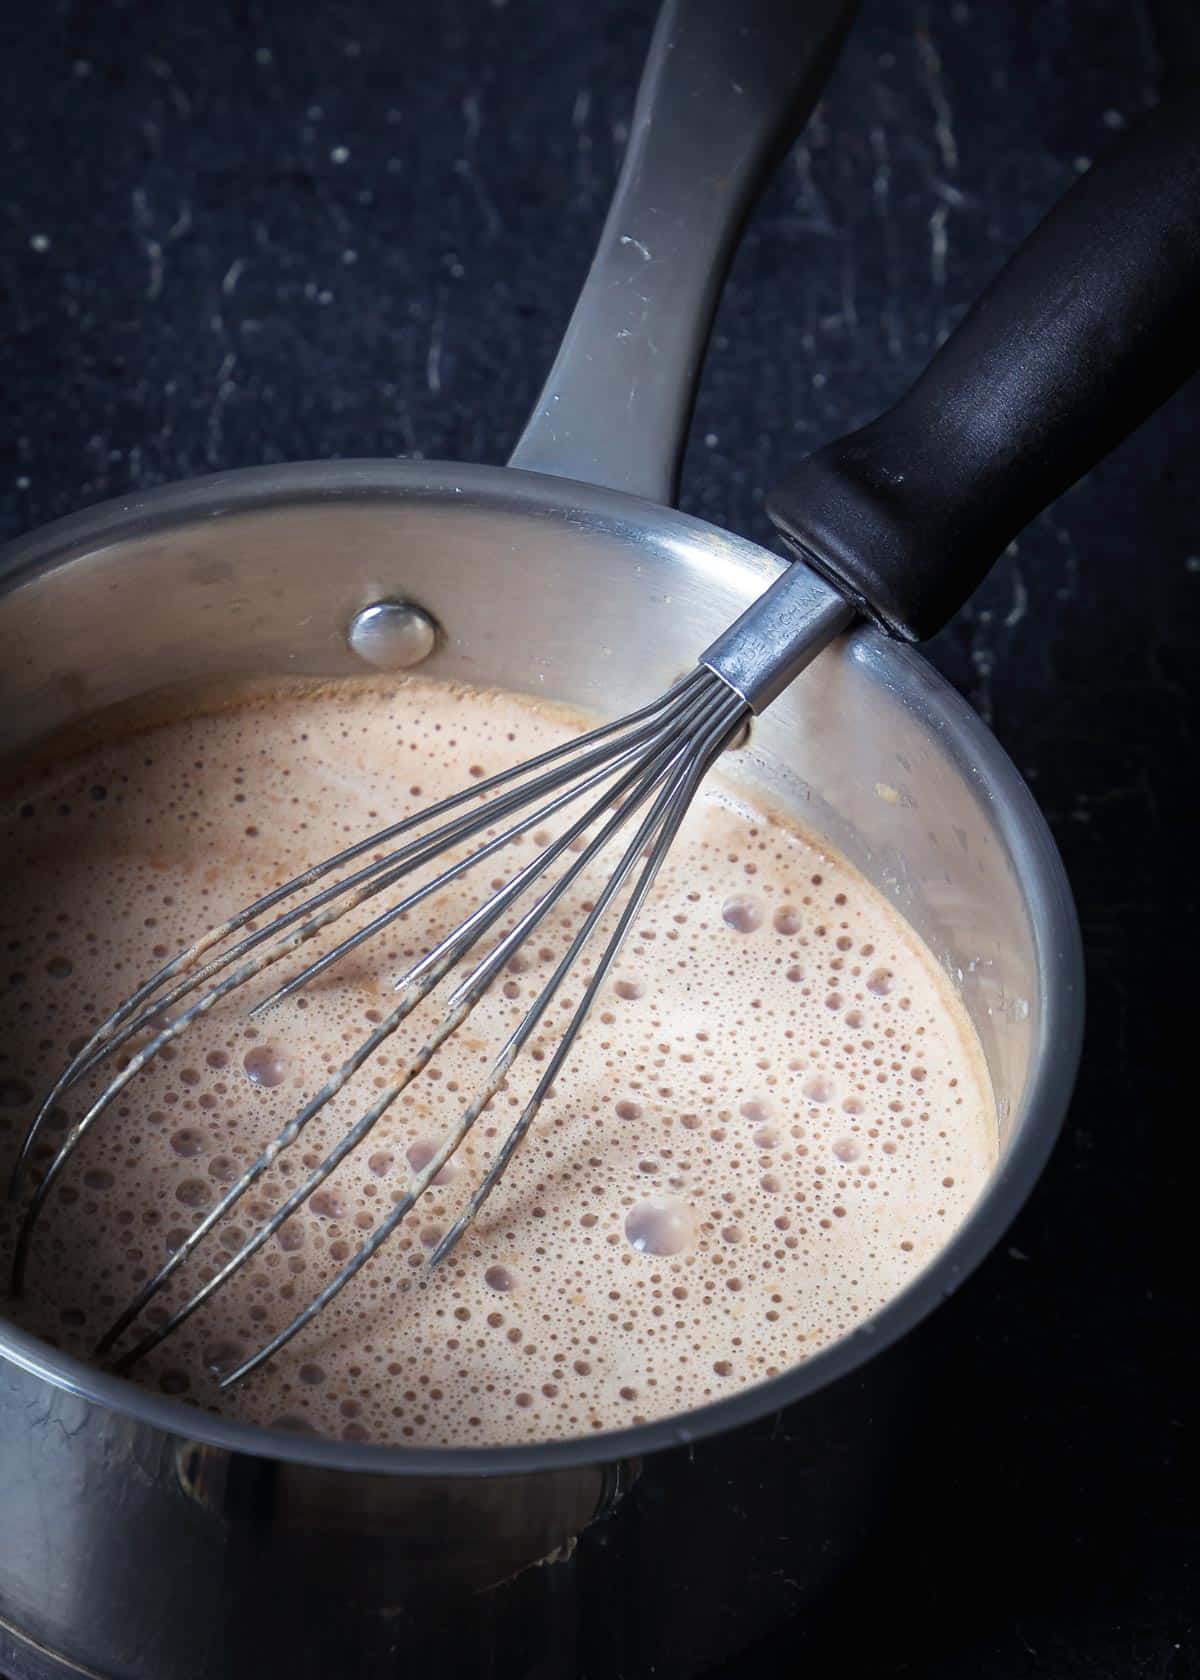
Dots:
{"x": 1031, "y": 847}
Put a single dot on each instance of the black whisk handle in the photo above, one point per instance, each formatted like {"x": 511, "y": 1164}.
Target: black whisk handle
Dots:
{"x": 1090, "y": 326}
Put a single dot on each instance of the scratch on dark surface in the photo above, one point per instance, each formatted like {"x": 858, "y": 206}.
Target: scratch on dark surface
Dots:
{"x": 1069, "y": 558}
{"x": 810, "y": 200}
{"x": 182, "y": 223}
{"x": 473, "y": 118}
{"x": 433, "y": 357}
{"x": 1020, "y": 601}
{"x": 225, "y": 389}
{"x": 938, "y": 245}
{"x": 881, "y": 188}
{"x": 179, "y": 99}
{"x": 493, "y": 221}
{"x": 930, "y": 61}
{"x": 984, "y": 662}
{"x": 154, "y": 257}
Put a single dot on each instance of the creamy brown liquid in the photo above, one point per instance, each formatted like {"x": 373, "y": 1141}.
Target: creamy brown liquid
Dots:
{"x": 775, "y": 1116}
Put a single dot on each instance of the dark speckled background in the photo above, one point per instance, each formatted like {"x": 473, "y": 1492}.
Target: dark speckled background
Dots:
{"x": 248, "y": 232}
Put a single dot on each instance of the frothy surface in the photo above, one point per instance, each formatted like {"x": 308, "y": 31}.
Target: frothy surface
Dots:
{"x": 776, "y": 1114}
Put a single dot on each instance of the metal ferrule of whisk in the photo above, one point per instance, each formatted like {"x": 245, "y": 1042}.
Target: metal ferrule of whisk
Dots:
{"x": 634, "y": 778}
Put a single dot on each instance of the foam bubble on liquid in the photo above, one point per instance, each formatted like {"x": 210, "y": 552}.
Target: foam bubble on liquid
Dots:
{"x": 660, "y": 1225}
{"x": 265, "y": 1065}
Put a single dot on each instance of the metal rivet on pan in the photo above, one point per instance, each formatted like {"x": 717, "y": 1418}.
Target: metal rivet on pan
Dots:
{"x": 392, "y": 635}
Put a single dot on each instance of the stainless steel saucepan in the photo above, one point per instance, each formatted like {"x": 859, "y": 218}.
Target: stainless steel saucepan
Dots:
{"x": 143, "y": 1540}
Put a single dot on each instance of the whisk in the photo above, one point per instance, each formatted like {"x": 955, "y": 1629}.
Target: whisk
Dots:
{"x": 1079, "y": 337}
{"x": 639, "y": 774}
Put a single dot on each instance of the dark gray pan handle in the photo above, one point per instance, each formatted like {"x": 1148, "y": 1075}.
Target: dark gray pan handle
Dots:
{"x": 1092, "y": 324}
{"x": 727, "y": 85}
